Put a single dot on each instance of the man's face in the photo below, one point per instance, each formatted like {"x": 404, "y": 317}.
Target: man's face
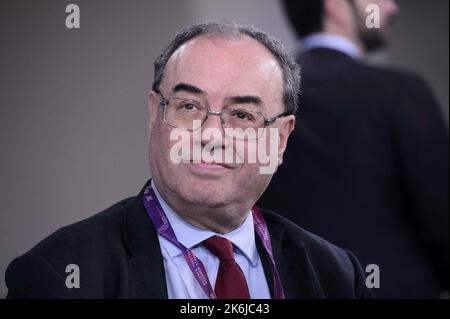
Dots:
{"x": 215, "y": 71}
{"x": 375, "y": 38}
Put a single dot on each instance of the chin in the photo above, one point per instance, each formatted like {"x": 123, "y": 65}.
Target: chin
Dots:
{"x": 205, "y": 192}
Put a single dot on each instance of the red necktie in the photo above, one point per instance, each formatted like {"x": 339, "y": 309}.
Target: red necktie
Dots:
{"x": 230, "y": 282}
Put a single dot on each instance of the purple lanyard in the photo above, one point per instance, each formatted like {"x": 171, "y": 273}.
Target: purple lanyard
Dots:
{"x": 162, "y": 225}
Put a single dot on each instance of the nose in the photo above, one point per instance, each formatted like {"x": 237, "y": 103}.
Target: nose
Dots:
{"x": 213, "y": 120}
{"x": 213, "y": 128}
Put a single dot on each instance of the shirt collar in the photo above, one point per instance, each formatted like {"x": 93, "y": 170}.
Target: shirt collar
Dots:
{"x": 242, "y": 237}
{"x": 331, "y": 41}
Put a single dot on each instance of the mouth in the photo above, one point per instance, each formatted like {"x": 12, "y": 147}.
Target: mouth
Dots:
{"x": 204, "y": 168}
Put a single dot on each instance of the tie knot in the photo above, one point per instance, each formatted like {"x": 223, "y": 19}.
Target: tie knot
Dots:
{"x": 220, "y": 247}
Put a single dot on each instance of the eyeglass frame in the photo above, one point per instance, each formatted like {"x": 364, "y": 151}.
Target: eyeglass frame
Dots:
{"x": 267, "y": 121}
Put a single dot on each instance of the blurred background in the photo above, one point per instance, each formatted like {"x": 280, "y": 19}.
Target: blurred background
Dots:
{"x": 73, "y": 114}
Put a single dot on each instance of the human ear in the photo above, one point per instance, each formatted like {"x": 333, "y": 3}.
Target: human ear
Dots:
{"x": 286, "y": 127}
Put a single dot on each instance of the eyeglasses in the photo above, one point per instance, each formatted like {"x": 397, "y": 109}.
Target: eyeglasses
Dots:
{"x": 191, "y": 114}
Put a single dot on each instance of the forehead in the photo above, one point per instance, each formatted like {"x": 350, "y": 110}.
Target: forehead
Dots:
{"x": 229, "y": 65}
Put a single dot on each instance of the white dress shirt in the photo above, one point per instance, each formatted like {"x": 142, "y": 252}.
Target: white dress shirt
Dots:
{"x": 181, "y": 283}
{"x": 330, "y": 41}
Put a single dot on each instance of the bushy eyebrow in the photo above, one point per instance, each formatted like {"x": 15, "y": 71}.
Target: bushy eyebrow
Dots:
{"x": 187, "y": 87}
{"x": 246, "y": 99}
{"x": 239, "y": 99}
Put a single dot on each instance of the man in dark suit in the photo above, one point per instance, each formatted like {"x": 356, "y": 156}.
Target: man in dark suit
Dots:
{"x": 193, "y": 230}
{"x": 119, "y": 256}
{"x": 367, "y": 164}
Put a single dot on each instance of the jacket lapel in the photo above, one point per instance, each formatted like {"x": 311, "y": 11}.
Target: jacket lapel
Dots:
{"x": 146, "y": 269}
{"x": 294, "y": 267}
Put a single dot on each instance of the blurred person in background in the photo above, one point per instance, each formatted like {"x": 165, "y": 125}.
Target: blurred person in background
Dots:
{"x": 367, "y": 164}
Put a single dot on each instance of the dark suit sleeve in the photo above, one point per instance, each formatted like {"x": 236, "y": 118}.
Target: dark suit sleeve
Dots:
{"x": 422, "y": 144}
{"x": 361, "y": 290}
{"x": 30, "y": 276}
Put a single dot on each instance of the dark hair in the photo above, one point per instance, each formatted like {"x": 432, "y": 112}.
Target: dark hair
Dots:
{"x": 289, "y": 68}
{"x": 305, "y": 16}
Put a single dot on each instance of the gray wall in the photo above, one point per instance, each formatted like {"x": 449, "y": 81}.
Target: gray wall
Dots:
{"x": 73, "y": 121}
{"x": 420, "y": 43}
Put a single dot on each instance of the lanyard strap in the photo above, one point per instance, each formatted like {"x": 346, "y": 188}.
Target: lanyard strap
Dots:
{"x": 163, "y": 227}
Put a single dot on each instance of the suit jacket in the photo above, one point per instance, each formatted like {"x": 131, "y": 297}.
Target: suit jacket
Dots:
{"x": 367, "y": 168}
{"x": 118, "y": 255}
